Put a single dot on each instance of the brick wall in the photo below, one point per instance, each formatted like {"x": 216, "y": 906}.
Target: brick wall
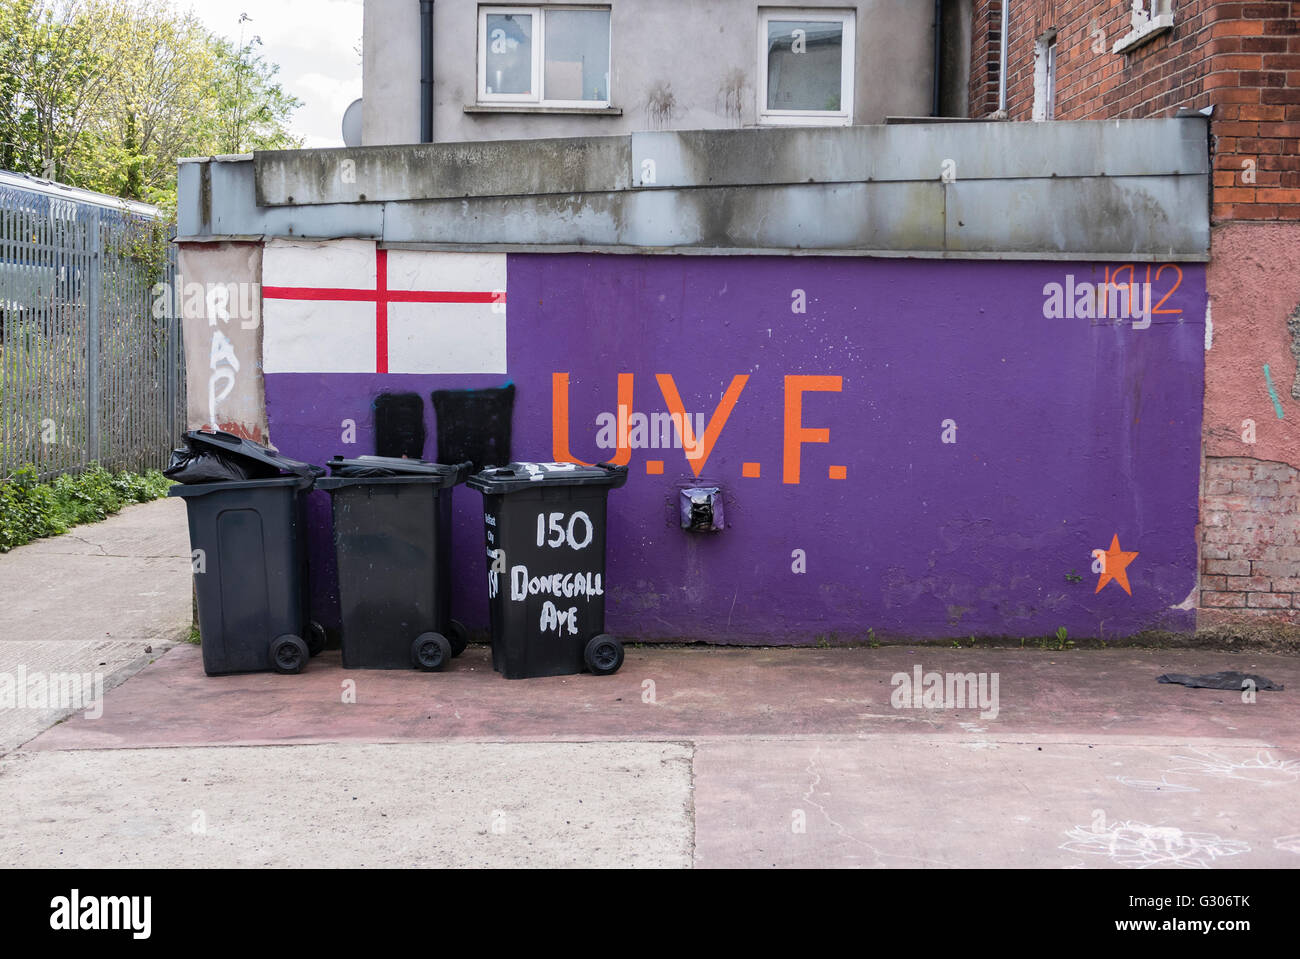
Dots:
{"x": 1241, "y": 58}
{"x": 1256, "y": 126}
{"x": 1250, "y": 544}
{"x": 986, "y": 40}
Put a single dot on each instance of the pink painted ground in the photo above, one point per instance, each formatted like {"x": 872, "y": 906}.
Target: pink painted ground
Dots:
{"x": 698, "y": 693}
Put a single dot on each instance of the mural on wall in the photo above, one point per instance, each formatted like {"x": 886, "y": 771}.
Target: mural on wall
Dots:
{"x": 346, "y": 306}
{"x": 906, "y": 447}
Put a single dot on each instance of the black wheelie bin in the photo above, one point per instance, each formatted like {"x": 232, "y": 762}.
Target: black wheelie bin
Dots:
{"x": 545, "y": 530}
{"x": 246, "y": 508}
{"x": 392, "y": 543}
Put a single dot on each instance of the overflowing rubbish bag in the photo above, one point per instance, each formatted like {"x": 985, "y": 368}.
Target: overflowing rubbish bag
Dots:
{"x": 201, "y": 462}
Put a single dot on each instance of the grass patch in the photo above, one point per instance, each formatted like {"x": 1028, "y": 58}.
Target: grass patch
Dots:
{"x": 30, "y": 510}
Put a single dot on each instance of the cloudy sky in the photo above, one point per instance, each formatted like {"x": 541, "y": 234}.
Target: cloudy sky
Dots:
{"x": 315, "y": 42}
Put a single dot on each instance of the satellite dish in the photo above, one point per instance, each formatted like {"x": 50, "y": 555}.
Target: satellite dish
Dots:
{"x": 352, "y": 124}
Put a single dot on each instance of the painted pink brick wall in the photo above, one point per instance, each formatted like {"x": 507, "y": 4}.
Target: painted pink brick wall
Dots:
{"x": 1250, "y": 549}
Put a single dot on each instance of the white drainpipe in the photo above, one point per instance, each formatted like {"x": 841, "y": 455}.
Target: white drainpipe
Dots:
{"x": 1002, "y": 56}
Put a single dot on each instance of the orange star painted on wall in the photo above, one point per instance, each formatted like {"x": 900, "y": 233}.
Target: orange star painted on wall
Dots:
{"x": 1115, "y": 566}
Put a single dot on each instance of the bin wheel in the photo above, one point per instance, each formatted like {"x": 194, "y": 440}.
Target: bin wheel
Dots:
{"x": 315, "y": 638}
{"x": 459, "y": 636}
{"x": 604, "y": 655}
{"x": 289, "y": 654}
{"x": 430, "y": 652}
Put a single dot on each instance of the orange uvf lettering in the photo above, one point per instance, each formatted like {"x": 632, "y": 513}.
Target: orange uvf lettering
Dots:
{"x": 560, "y": 420}
{"x": 796, "y": 434}
{"x": 698, "y": 450}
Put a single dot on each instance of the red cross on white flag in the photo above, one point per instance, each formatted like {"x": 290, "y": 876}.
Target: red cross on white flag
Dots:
{"x": 346, "y": 306}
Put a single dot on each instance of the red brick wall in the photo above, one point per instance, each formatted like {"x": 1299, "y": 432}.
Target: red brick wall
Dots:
{"x": 1250, "y": 544}
{"x": 1256, "y": 84}
{"x": 1241, "y": 58}
{"x": 985, "y": 50}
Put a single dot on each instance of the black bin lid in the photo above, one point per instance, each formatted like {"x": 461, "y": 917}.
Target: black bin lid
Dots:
{"x": 521, "y": 476}
{"x": 379, "y": 467}
{"x": 237, "y": 446}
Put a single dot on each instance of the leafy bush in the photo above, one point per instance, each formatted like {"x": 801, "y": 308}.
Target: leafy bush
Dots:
{"x": 30, "y": 510}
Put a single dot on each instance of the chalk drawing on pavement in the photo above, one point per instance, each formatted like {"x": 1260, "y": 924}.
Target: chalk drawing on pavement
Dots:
{"x": 1139, "y": 845}
{"x": 1288, "y": 843}
{"x": 1262, "y": 768}
{"x": 1154, "y": 786}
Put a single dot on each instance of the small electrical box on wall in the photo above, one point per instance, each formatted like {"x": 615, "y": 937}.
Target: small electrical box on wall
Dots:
{"x": 701, "y": 509}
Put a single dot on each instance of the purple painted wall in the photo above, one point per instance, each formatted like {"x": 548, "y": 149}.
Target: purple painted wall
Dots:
{"x": 1069, "y": 432}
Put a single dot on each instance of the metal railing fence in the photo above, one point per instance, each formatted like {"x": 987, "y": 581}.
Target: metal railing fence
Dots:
{"x": 91, "y": 358}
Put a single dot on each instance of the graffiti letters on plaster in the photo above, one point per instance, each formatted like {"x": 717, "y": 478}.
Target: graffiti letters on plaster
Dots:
{"x": 1111, "y": 299}
{"x": 222, "y": 362}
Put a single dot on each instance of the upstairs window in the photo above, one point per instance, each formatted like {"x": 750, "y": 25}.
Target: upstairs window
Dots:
{"x": 545, "y": 56}
{"x": 1147, "y": 20}
{"x": 805, "y": 69}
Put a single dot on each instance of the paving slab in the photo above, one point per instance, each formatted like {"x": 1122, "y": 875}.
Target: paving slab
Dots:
{"x": 950, "y": 802}
{"x": 42, "y": 684}
{"x": 126, "y": 578}
{"x": 664, "y": 693}
{"x": 81, "y": 612}
{"x": 401, "y": 805}
{"x": 776, "y": 758}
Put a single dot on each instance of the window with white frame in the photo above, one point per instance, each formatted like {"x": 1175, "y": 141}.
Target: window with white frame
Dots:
{"x": 546, "y": 56}
{"x": 1147, "y": 20}
{"x": 805, "y": 66}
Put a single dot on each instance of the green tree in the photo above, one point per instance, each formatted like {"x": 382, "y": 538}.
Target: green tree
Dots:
{"x": 109, "y": 94}
{"x": 251, "y": 109}
{"x": 157, "y": 107}
{"x": 56, "y": 68}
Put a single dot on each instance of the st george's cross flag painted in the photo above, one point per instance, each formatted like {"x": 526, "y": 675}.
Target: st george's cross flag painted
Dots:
{"x": 347, "y": 306}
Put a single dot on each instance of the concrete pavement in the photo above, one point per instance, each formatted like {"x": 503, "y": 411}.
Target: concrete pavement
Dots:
{"x": 125, "y": 579}
{"x": 408, "y": 804}
{"x": 102, "y": 600}
{"x": 705, "y": 757}
{"x": 755, "y": 758}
